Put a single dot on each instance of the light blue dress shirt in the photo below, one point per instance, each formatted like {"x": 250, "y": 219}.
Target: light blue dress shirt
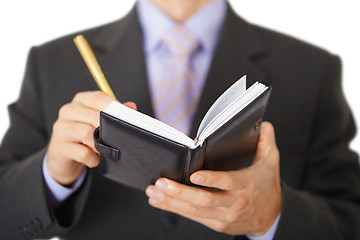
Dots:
{"x": 205, "y": 25}
{"x": 55, "y": 192}
{"x": 156, "y": 24}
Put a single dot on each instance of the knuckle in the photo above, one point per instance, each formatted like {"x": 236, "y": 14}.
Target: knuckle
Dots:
{"x": 78, "y": 96}
{"x": 231, "y": 181}
{"x": 102, "y": 100}
{"x": 221, "y": 227}
{"x": 99, "y": 100}
{"x": 89, "y": 158}
{"x": 64, "y": 110}
{"x": 95, "y": 119}
{"x": 56, "y": 126}
{"x": 208, "y": 200}
{"x": 193, "y": 210}
{"x": 97, "y": 95}
{"x": 52, "y": 150}
{"x": 84, "y": 155}
{"x": 93, "y": 163}
{"x": 231, "y": 218}
{"x": 252, "y": 188}
{"x": 177, "y": 191}
{"x": 102, "y": 96}
{"x": 86, "y": 132}
{"x": 240, "y": 204}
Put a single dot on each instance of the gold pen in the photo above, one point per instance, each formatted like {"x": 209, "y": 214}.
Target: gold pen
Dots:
{"x": 92, "y": 64}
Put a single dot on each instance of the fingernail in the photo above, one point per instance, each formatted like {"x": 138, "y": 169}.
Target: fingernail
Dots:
{"x": 151, "y": 192}
{"x": 198, "y": 178}
{"x": 162, "y": 185}
{"x": 153, "y": 202}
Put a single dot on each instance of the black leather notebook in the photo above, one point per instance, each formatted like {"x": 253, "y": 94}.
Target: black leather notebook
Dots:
{"x": 136, "y": 149}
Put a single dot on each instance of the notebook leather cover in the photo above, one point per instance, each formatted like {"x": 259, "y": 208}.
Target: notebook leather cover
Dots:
{"x": 136, "y": 157}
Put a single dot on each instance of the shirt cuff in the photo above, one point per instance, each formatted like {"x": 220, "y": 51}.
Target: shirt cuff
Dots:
{"x": 269, "y": 234}
{"x": 57, "y": 193}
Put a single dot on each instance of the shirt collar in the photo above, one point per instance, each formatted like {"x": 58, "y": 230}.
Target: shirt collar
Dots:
{"x": 204, "y": 25}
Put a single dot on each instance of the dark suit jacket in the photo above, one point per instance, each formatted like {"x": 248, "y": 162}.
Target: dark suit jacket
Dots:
{"x": 320, "y": 175}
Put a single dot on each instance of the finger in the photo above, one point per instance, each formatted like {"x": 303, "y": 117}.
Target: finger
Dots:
{"x": 79, "y": 113}
{"x": 131, "y": 105}
{"x": 266, "y": 142}
{"x": 95, "y": 99}
{"x": 76, "y": 132}
{"x": 81, "y": 153}
{"x": 193, "y": 195}
{"x": 225, "y": 180}
{"x": 267, "y": 132}
{"x": 207, "y": 220}
{"x": 214, "y": 224}
{"x": 162, "y": 201}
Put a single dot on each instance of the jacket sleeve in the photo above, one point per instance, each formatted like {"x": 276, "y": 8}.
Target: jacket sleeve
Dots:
{"x": 25, "y": 213}
{"x": 328, "y": 204}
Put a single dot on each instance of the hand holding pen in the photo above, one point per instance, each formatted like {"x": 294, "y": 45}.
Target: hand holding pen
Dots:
{"x": 71, "y": 146}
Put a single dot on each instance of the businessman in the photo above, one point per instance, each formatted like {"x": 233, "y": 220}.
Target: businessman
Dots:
{"x": 171, "y": 60}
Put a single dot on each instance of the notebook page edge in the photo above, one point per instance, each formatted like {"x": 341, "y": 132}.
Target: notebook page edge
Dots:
{"x": 148, "y": 123}
{"x": 236, "y": 108}
{"x": 238, "y": 86}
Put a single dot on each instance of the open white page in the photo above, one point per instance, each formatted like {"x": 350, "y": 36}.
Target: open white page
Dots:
{"x": 224, "y": 100}
{"x": 148, "y": 123}
{"x": 232, "y": 109}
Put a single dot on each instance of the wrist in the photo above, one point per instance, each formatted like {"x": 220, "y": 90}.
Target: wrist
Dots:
{"x": 264, "y": 229}
{"x": 273, "y": 215}
{"x": 66, "y": 173}
{"x": 269, "y": 234}
{"x": 55, "y": 192}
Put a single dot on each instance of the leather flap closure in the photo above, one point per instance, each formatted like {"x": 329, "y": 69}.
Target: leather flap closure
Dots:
{"x": 104, "y": 150}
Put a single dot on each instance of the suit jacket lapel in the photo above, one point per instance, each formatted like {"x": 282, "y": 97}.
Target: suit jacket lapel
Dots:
{"x": 238, "y": 47}
{"x": 121, "y": 55}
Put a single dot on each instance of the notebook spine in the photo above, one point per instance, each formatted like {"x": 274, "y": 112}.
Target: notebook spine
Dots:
{"x": 194, "y": 162}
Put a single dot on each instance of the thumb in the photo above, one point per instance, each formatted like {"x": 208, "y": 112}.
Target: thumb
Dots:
{"x": 266, "y": 141}
{"x": 131, "y": 105}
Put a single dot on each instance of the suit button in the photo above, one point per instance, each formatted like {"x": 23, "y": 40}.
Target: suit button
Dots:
{"x": 169, "y": 221}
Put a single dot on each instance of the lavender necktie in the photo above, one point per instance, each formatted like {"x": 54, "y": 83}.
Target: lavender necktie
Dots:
{"x": 176, "y": 96}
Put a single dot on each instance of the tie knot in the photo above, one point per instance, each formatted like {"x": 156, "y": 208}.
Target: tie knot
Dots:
{"x": 180, "y": 42}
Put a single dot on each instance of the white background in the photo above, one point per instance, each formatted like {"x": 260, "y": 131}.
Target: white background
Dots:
{"x": 333, "y": 25}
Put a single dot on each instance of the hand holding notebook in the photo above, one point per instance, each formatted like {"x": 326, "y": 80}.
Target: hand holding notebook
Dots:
{"x": 137, "y": 149}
